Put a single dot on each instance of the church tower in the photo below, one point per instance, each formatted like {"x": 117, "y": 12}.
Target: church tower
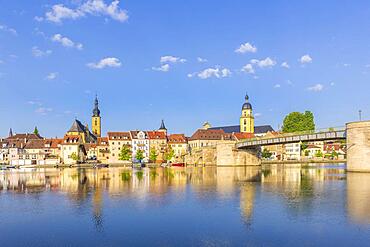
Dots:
{"x": 247, "y": 119}
{"x": 96, "y": 119}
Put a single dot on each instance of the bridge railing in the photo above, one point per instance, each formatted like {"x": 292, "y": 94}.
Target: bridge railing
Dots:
{"x": 308, "y": 132}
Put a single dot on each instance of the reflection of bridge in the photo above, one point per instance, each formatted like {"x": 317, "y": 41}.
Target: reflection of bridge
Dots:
{"x": 321, "y": 135}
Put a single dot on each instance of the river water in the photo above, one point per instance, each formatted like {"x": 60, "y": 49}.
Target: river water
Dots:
{"x": 241, "y": 206}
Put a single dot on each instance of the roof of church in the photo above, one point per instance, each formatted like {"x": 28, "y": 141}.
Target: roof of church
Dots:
{"x": 236, "y": 128}
{"x": 77, "y": 126}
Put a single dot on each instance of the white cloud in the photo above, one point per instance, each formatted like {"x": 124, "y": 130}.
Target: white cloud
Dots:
{"x": 267, "y": 62}
{"x": 66, "y": 42}
{"x": 59, "y": 12}
{"x": 163, "y": 68}
{"x": 105, "y": 62}
{"x": 43, "y": 110}
{"x": 1, "y": 61}
{"x": 285, "y": 65}
{"x": 316, "y": 88}
{"x": 277, "y": 86}
{"x": 257, "y": 115}
{"x": 172, "y": 59}
{"x": 346, "y": 65}
{"x": 247, "y": 47}
{"x": 214, "y": 72}
{"x": 38, "y": 18}
{"x": 248, "y": 68}
{"x": 8, "y": 29}
{"x": 52, "y": 76}
{"x": 306, "y": 59}
{"x": 201, "y": 60}
{"x": 36, "y": 52}
{"x": 332, "y": 84}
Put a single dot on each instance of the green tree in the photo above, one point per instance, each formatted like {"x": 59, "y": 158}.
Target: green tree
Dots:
{"x": 125, "y": 153}
{"x": 74, "y": 156}
{"x": 153, "y": 155}
{"x": 266, "y": 154}
{"x": 36, "y": 131}
{"x": 139, "y": 155}
{"x": 297, "y": 121}
{"x": 169, "y": 154}
{"x": 318, "y": 154}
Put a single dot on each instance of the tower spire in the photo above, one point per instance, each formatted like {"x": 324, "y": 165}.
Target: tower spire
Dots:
{"x": 10, "y": 132}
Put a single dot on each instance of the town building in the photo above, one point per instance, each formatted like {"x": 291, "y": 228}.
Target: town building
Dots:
{"x": 207, "y": 138}
{"x": 179, "y": 145}
{"x": 292, "y": 151}
{"x": 116, "y": 140}
{"x": 73, "y": 150}
{"x": 158, "y": 143}
{"x": 103, "y": 149}
{"x": 140, "y": 141}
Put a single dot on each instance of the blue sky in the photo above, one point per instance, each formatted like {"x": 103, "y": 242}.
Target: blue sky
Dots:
{"x": 184, "y": 61}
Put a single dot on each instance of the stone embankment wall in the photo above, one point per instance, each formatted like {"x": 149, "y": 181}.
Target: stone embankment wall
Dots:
{"x": 358, "y": 146}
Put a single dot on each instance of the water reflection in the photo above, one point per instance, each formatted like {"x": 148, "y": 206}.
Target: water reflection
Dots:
{"x": 299, "y": 189}
{"x": 358, "y": 197}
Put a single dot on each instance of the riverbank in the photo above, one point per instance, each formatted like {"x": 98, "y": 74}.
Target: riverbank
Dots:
{"x": 271, "y": 162}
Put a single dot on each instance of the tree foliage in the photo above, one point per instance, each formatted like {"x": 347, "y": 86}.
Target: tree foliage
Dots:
{"x": 36, "y": 131}
{"x": 169, "y": 154}
{"x": 74, "y": 156}
{"x": 266, "y": 154}
{"x": 125, "y": 153}
{"x": 153, "y": 155}
{"x": 139, "y": 155}
{"x": 297, "y": 121}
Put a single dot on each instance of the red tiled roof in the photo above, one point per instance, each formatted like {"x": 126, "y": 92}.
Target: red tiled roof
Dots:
{"x": 241, "y": 136}
{"x": 26, "y": 136}
{"x": 119, "y": 136}
{"x": 177, "y": 138}
{"x": 202, "y": 134}
{"x": 71, "y": 139}
{"x": 35, "y": 144}
{"x": 156, "y": 135}
{"x": 102, "y": 141}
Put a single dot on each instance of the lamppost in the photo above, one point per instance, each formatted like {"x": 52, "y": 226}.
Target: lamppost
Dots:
{"x": 360, "y": 114}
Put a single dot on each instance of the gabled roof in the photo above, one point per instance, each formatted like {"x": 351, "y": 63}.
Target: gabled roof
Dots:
{"x": 71, "y": 139}
{"x": 156, "y": 135}
{"x": 177, "y": 138}
{"x": 243, "y": 136}
{"x": 77, "y": 126}
{"x": 102, "y": 141}
{"x": 119, "y": 136}
{"x": 35, "y": 144}
{"x": 134, "y": 134}
{"x": 209, "y": 134}
{"x": 26, "y": 136}
{"x": 54, "y": 142}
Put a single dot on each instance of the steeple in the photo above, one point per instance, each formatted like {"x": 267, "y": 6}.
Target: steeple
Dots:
{"x": 10, "y": 132}
{"x": 96, "y": 119}
{"x": 162, "y": 127}
{"x": 96, "y": 111}
{"x": 246, "y": 118}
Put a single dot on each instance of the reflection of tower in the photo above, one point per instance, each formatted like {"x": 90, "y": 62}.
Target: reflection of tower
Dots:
{"x": 247, "y": 193}
{"x": 96, "y": 119}
{"x": 97, "y": 201}
{"x": 358, "y": 194}
{"x": 247, "y": 119}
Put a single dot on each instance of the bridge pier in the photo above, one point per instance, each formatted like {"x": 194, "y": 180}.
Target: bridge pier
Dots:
{"x": 358, "y": 146}
{"x": 229, "y": 155}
